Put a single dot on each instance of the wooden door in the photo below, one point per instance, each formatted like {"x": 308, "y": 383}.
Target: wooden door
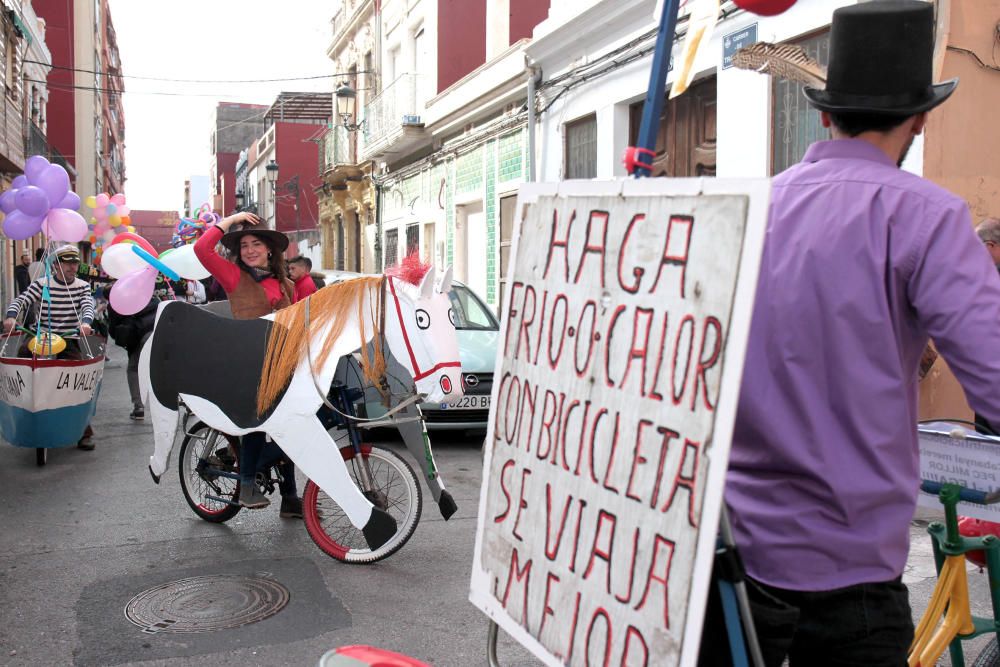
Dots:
{"x": 685, "y": 143}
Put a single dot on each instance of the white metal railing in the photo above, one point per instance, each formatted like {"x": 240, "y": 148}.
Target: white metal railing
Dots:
{"x": 391, "y": 110}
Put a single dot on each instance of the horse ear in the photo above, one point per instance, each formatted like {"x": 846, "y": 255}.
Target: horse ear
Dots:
{"x": 427, "y": 284}
{"x": 445, "y": 286}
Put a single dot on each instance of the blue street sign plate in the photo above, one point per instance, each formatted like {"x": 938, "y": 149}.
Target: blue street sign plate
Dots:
{"x": 735, "y": 41}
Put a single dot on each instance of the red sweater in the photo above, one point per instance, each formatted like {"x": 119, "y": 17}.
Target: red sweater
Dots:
{"x": 304, "y": 286}
{"x": 226, "y": 272}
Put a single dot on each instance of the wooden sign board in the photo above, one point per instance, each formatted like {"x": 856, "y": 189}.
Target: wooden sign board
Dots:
{"x": 951, "y": 453}
{"x": 625, "y": 320}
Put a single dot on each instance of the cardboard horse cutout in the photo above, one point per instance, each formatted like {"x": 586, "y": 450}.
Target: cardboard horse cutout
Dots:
{"x": 270, "y": 374}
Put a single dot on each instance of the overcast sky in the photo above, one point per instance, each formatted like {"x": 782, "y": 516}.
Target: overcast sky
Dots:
{"x": 167, "y": 137}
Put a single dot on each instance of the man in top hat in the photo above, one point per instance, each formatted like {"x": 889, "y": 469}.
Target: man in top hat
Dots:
{"x": 862, "y": 263}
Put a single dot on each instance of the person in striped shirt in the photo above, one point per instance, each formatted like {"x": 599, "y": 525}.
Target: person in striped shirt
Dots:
{"x": 71, "y": 310}
{"x": 72, "y": 305}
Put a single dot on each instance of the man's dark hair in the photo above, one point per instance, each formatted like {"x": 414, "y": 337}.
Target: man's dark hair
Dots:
{"x": 854, "y": 123}
{"x": 301, "y": 259}
{"x": 38, "y": 254}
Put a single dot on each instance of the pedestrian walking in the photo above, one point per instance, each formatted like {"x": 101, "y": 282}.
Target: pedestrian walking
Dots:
{"x": 131, "y": 332}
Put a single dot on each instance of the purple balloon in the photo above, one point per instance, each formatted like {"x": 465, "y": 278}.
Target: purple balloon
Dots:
{"x": 70, "y": 201}
{"x": 55, "y": 181}
{"x": 34, "y": 166}
{"x": 7, "y": 204}
{"x": 31, "y": 201}
{"x": 19, "y": 182}
{"x": 19, "y": 226}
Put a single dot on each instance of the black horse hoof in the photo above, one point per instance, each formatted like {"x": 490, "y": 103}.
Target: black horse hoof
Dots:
{"x": 156, "y": 478}
{"x": 447, "y": 505}
{"x": 379, "y": 529}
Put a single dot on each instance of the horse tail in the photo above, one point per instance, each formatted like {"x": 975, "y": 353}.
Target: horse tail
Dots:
{"x": 289, "y": 336}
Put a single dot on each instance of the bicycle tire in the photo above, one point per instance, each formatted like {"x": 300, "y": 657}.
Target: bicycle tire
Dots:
{"x": 332, "y": 531}
{"x": 989, "y": 656}
{"x": 196, "y": 448}
{"x": 41, "y": 456}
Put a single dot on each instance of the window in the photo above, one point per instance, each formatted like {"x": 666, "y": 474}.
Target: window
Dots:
{"x": 469, "y": 311}
{"x": 795, "y": 124}
{"x": 339, "y": 261}
{"x": 391, "y": 247}
{"x": 507, "y": 210}
{"x": 428, "y": 254}
{"x": 370, "y": 78}
{"x": 413, "y": 239}
{"x": 581, "y": 147}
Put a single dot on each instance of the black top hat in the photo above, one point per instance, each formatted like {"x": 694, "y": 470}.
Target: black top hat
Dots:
{"x": 231, "y": 239}
{"x": 881, "y": 57}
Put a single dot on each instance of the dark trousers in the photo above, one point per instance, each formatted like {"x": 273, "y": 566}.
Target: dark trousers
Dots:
{"x": 867, "y": 625}
{"x": 257, "y": 455}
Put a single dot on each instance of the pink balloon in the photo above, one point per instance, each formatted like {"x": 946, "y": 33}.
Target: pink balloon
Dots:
{"x": 103, "y": 199}
{"x": 66, "y": 225}
{"x": 118, "y": 199}
{"x": 132, "y": 292}
{"x": 124, "y": 210}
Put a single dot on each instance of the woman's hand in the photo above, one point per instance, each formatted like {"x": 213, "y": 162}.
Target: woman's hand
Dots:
{"x": 242, "y": 218}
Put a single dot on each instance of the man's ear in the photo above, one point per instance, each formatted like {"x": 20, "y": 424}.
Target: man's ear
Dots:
{"x": 824, "y": 118}
{"x": 918, "y": 122}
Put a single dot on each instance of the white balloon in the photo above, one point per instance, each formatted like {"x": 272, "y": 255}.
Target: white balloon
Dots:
{"x": 185, "y": 262}
{"x": 119, "y": 260}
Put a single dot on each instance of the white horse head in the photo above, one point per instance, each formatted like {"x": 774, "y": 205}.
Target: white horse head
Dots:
{"x": 424, "y": 341}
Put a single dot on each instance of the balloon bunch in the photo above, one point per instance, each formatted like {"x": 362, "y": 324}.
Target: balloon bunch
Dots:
{"x": 110, "y": 217}
{"x": 134, "y": 263}
{"x": 40, "y": 201}
{"x": 190, "y": 229}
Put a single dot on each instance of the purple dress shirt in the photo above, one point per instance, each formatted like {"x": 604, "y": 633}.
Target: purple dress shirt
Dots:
{"x": 862, "y": 263}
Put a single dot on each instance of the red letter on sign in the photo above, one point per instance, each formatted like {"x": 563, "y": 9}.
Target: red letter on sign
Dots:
{"x": 676, "y": 253}
{"x": 564, "y": 244}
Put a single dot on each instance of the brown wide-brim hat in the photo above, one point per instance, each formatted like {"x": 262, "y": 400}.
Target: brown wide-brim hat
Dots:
{"x": 881, "y": 61}
{"x": 231, "y": 239}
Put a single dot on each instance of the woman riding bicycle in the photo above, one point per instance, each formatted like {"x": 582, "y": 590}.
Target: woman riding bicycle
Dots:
{"x": 256, "y": 285}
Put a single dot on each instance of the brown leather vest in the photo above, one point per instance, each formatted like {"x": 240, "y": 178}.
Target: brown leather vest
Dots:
{"x": 249, "y": 300}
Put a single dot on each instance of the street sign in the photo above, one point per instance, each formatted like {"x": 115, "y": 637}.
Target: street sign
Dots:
{"x": 951, "y": 453}
{"x": 735, "y": 41}
{"x": 622, "y": 343}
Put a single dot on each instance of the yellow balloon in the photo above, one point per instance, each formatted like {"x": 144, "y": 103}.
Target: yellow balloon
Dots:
{"x": 130, "y": 229}
{"x": 114, "y": 220}
{"x": 93, "y": 221}
{"x": 91, "y": 201}
{"x": 46, "y": 344}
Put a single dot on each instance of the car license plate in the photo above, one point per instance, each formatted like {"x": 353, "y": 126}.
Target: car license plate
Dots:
{"x": 468, "y": 403}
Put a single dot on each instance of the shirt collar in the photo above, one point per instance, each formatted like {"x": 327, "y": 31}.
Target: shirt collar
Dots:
{"x": 856, "y": 149}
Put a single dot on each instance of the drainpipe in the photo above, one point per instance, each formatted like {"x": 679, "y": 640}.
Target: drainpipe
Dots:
{"x": 534, "y": 76}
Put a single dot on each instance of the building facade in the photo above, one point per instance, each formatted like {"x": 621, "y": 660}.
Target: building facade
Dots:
{"x": 110, "y": 130}
{"x": 234, "y": 127}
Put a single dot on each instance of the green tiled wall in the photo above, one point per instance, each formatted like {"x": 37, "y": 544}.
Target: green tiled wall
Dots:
{"x": 469, "y": 171}
{"x": 511, "y": 163}
{"x": 492, "y": 223}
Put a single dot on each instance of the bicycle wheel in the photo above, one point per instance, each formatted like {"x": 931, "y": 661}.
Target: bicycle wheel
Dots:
{"x": 396, "y": 491}
{"x": 199, "y": 483}
{"x": 989, "y": 656}
{"x": 41, "y": 456}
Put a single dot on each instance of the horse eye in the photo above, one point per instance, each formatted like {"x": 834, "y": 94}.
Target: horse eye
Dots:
{"x": 423, "y": 319}
{"x": 451, "y": 316}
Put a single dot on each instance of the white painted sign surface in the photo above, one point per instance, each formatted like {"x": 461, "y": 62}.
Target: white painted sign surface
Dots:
{"x": 49, "y": 387}
{"x": 950, "y": 453}
{"x": 622, "y": 343}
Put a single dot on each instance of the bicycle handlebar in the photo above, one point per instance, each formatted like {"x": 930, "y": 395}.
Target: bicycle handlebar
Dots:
{"x": 968, "y": 495}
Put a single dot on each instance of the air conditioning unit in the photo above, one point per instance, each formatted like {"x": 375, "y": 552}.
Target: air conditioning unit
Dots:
{"x": 411, "y": 119}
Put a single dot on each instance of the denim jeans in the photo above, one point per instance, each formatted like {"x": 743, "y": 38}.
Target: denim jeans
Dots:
{"x": 866, "y": 625}
{"x": 257, "y": 455}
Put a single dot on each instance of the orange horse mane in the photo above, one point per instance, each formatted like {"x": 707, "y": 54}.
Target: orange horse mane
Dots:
{"x": 287, "y": 342}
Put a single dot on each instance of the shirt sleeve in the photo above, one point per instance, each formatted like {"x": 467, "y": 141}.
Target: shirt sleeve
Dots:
{"x": 26, "y": 299}
{"x": 87, "y": 307}
{"x": 227, "y": 273}
{"x": 955, "y": 289}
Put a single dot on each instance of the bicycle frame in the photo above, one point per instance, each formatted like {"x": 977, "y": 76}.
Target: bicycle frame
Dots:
{"x": 948, "y": 620}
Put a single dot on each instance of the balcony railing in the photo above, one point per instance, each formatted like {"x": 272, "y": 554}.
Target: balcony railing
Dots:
{"x": 336, "y": 148}
{"x": 35, "y": 143}
{"x": 390, "y": 113}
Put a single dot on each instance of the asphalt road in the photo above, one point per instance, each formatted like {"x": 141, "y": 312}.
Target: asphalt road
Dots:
{"x": 83, "y": 535}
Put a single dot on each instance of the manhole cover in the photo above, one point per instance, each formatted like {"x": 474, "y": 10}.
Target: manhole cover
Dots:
{"x": 206, "y": 604}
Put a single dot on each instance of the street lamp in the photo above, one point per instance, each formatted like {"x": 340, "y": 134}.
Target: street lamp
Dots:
{"x": 272, "y": 172}
{"x": 240, "y": 199}
{"x": 347, "y": 99}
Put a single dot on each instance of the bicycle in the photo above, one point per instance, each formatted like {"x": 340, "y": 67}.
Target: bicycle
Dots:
{"x": 210, "y": 480}
{"x": 948, "y": 620}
